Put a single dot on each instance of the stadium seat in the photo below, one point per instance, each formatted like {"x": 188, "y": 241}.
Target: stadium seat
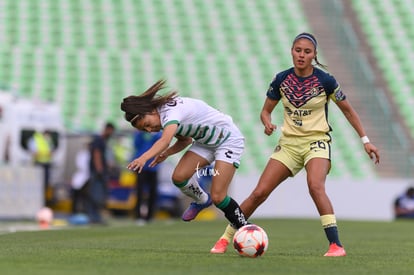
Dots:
{"x": 389, "y": 24}
{"x": 87, "y": 55}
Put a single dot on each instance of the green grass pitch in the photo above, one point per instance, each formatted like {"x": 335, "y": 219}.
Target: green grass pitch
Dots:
{"x": 174, "y": 247}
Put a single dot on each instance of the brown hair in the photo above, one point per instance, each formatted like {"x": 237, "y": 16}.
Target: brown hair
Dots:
{"x": 136, "y": 107}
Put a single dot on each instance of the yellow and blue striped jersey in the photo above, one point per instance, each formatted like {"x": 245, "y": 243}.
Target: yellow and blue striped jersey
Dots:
{"x": 305, "y": 100}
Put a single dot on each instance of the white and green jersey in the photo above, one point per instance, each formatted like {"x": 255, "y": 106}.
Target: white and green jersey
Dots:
{"x": 198, "y": 120}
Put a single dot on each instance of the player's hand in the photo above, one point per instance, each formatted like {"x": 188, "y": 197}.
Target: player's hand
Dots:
{"x": 372, "y": 152}
{"x": 158, "y": 159}
{"x": 269, "y": 129}
{"x": 136, "y": 165}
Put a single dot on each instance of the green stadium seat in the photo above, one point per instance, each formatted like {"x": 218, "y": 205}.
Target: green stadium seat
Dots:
{"x": 392, "y": 25}
{"x": 87, "y": 55}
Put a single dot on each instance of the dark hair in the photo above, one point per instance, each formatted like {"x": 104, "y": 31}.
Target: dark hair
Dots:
{"x": 109, "y": 125}
{"x": 312, "y": 39}
{"x": 136, "y": 107}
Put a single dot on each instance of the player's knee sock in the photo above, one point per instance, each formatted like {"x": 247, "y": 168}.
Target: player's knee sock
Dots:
{"x": 192, "y": 189}
{"x": 232, "y": 212}
{"x": 228, "y": 233}
{"x": 331, "y": 229}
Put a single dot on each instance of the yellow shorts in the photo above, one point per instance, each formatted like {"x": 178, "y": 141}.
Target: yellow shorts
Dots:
{"x": 295, "y": 152}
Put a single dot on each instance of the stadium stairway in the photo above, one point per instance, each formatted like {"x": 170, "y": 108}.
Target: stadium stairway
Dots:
{"x": 347, "y": 60}
{"x": 389, "y": 24}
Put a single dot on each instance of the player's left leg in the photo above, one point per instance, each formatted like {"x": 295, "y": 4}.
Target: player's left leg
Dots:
{"x": 317, "y": 170}
{"x": 183, "y": 177}
{"x": 222, "y": 177}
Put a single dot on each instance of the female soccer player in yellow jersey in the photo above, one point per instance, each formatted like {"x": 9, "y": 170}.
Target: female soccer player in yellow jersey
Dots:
{"x": 210, "y": 135}
{"x": 305, "y": 92}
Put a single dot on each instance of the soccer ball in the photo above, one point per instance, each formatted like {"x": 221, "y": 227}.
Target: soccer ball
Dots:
{"x": 44, "y": 217}
{"x": 250, "y": 241}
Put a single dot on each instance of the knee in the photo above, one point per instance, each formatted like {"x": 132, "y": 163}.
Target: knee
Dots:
{"x": 217, "y": 198}
{"x": 316, "y": 189}
{"x": 177, "y": 177}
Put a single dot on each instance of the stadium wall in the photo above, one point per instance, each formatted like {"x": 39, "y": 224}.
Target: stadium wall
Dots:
{"x": 21, "y": 191}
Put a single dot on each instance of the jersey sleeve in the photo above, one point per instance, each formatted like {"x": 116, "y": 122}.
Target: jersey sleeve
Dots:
{"x": 273, "y": 91}
{"x": 333, "y": 89}
{"x": 170, "y": 122}
{"x": 172, "y": 113}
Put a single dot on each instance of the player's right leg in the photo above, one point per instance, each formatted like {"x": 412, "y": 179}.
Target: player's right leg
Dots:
{"x": 220, "y": 246}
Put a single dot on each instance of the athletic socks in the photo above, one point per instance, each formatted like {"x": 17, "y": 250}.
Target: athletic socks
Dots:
{"x": 232, "y": 212}
{"x": 229, "y": 206}
{"x": 192, "y": 189}
{"x": 331, "y": 229}
{"x": 229, "y": 233}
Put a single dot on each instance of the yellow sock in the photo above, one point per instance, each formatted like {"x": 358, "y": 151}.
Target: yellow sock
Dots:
{"x": 328, "y": 220}
{"x": 228, "y": 233}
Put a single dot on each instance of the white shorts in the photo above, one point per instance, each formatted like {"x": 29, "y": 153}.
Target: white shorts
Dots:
{"x": 230, "y": 151}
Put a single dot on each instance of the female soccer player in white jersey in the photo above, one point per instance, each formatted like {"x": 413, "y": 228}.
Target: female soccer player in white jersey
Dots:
{"x": 305, "y": 91}
{"x": 212, "y": 136}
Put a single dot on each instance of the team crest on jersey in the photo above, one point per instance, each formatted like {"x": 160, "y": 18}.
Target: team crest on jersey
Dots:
{"x": 314, "y": 91}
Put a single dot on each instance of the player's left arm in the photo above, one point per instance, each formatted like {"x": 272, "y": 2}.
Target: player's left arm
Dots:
{"x": 353, "y": 118}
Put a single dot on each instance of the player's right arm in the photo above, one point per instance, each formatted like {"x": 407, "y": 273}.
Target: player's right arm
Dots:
{"x": 266, "y": 115}
{"x": 159, "y": 146}
{"x": 180, "y": 144}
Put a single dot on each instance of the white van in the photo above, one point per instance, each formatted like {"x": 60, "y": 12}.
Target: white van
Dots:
{"x": 19, "y": 119}
{"x": 21, "y": 183}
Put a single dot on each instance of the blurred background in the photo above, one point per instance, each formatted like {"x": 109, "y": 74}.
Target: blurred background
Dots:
{"x": 65, "y": 66}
